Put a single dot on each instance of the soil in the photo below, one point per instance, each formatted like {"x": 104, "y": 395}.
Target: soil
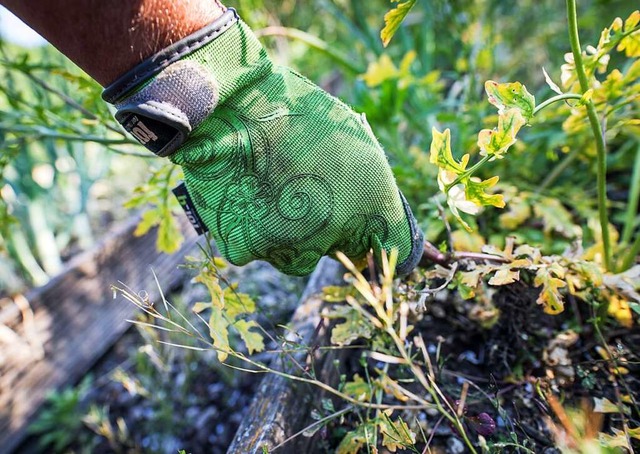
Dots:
{"x": 190, "y": 402}
{"x": 509, "y": 367}
{"x": 170, "y": 398}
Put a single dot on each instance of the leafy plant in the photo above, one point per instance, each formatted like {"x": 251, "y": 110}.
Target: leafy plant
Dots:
{"x": 161, "y": 207}
{"x": 55, "y": 152}
{"x": 60, "y": 423}
{"x": 393, "y": 19}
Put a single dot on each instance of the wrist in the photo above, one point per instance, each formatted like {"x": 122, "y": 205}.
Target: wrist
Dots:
{"x": 165, "y": 97}
{"x": 157, "y": 25}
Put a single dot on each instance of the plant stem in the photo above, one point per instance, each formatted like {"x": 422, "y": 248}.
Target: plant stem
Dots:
{"x": 557, "y": 98}
{"x": 431, "y": 388}
{"x": 313, "y": 42}
{"x": 634, "y": 198}
{"x": 595, "y": 128}
{"x": 319, "y": 422}
{"x": 45, "y": 133}
{"x": 468, "y": 172}
{"x": 480, "y": 163}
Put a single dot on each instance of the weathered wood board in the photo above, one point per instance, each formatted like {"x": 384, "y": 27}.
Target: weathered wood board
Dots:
{"x": 62, "y": 328}
{"x": 278, "y": 410}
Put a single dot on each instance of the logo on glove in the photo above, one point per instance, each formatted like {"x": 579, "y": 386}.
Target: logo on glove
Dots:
{"x": 140, "y": 131}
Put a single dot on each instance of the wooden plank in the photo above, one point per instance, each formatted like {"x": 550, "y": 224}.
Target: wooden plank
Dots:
{"x": 75, "y": 319}
{"x": 279, "y": 410}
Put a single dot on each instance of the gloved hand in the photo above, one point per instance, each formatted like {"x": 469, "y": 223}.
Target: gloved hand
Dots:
{"x": 278, "y": 169}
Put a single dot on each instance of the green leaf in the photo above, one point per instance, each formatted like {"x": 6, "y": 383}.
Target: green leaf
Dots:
{"x": 475, "y": 192}
{"x": 496, "y": 142}
{"x": 354, "y": 327}
{"x": 393, "y": 19}
{"x": 252, "y": 339}
{"x": 395, "y": 434}
{"x": 356, "y": 439}
{"x": 441, "y": 155}
{"x": 156, "y": 192}
{"x": 336, "y": 294}
{"x": 509, "y": 96}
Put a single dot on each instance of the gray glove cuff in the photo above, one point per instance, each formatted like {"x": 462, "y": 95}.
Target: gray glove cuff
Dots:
{"x": 161, "y": 100}
{"x": 153, "y": 65}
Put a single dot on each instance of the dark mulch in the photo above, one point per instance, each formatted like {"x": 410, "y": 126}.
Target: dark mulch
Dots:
{"x": 509, "y": 366}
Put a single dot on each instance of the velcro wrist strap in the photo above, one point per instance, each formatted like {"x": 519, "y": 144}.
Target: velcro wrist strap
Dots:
{"x": 161, "y": 100}
{"x": 153, "y": 65}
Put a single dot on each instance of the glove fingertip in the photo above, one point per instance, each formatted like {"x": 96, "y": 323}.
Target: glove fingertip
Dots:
{"x": 417, "y": 242}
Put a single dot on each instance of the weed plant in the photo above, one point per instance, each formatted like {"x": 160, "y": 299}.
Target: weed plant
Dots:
{"x": 447, "y": 99}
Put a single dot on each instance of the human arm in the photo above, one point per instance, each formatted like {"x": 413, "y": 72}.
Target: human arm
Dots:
{"x": 278, "y": 169}
{"x": 108, "y": 37}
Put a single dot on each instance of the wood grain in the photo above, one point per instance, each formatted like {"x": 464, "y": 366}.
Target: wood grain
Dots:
{"x": 74, "y": 319}
{"x": 282, "y": 407}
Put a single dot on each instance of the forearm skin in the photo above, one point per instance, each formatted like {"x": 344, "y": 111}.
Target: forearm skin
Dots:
{"x": 108, "y": 37}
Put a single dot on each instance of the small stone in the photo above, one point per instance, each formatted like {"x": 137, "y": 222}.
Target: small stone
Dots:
{"x": 455, "y": 446}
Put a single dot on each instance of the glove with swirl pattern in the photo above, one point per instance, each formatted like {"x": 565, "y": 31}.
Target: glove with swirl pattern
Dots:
{"x": 276, "y": 168}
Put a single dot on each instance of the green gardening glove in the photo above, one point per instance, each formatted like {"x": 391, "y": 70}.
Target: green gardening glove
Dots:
{"x": 276, "y": 168}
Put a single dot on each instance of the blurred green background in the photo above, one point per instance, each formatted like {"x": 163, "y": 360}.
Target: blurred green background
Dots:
{"x": 67, "y": 168}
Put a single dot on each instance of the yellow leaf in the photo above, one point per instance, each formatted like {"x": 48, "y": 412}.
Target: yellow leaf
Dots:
{"x": 441, "y": 155}
{"x": 467, "y": 241}
{"x": 149, "y": 219}
{"x": 476, "y": 192}
{"x": 471, "y": 278}
{"x": 617, "y": 440}
{"x": 405, "y": 64}
{"x": 252, "y": 339}
{"x": 353, "y": 441}
{"x": 630, "y": 44}
{"x": 393, "y": 19}
{"x": 213, "y": 285}
{"x": 200, "y": 307}
{"x": 496, "y": 142}
{"x": 219, "y": 333}
{"x": 380, "y": 71}
{"x": 604, "y": 405}
{"x": 354, "y": 326}
{"x": 512, "y": 95}
{"x": 555, "y": 217}
{"x": 169, "y": 236}
{"x": 389, "y": 386}
{"x": 504, "y": 276}
{"x": 550, "y": 297}
{"x": 519, "y": 212}
{"x": 621, "y": 311}
{"x": 358, "y": 389}
{"x": 395, "y": 434}
{"x": 236, "y": 303}
{"x": 596, "y": 252}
